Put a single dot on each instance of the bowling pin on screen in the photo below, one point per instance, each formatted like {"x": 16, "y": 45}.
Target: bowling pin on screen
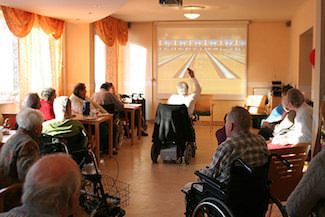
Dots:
{"x": 215, "y": 51}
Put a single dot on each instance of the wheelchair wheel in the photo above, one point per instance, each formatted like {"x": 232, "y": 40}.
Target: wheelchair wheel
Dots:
{"x": 154, "y": 153}
{"x": 211, "y": 207}
{"x": 188, "y": 153}
{"x": 275, "y": 209}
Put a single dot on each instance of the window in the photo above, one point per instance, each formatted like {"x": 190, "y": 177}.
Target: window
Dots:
{"x": 9, "y": 88}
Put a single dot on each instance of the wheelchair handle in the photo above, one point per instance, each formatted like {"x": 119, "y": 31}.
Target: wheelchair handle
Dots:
{"x": 240, "y": 161}
{"x": 284, "y": 161}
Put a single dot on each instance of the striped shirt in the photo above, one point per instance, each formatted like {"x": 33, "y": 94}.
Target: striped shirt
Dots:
{"x": 251, "y": 148}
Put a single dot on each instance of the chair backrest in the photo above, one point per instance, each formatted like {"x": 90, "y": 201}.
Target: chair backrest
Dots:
{"x": 285, "y": 180}
{"x": 172, "y": 123}
{"x": 203, "y": 104}
{"x": 10, "y": 197}
{"x": 109, "y": 108}
{"x": 248, "y": 192}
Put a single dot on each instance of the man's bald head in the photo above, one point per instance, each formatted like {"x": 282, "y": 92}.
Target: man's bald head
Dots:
{"x": 52, "y": 182}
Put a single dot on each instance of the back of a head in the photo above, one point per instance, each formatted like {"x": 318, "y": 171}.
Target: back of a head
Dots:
{"x": 32, "y": 100}
{"x": 77, "y": 88}
{"x": 47, "y": 93}
{"x": 240, "y": 117}
{"x": 106, "y": 85}
{"x": 295, "y": 97}
{"x": 60, "y": 106}
{"x": 29, "y": 118}
{"x": 51, "y": 182}
{"x": 286, "y": 88}
{"x": 182, "y": 88}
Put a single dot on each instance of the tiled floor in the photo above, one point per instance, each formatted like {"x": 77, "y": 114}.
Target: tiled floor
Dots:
{"x": 155, "y": 189}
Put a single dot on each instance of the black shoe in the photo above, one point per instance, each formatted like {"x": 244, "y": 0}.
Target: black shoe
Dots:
{"x": 115, "y": 152}
{"x": 144, "y": 133}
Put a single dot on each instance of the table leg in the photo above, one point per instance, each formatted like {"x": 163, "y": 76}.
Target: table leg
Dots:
{"x": 132, "y": 126}
{"x": 97, "y": 145}
{"x": 110, "y": 137}
{"x": 139, "y": 123}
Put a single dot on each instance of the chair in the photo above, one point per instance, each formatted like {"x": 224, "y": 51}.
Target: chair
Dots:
{"x": 204, "y": 107}
{"x": 10, "y": 197}
{"x": 256, "y": 106}
{"x": 285, "y": 180}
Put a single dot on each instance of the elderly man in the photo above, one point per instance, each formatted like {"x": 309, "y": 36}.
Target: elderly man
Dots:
{"x": 251, "y": 148}
{"x": 21, "y": 150}
{"x": 62, "y": 126}
{"x": 48, "y": 95}
{"x": 51, "y": 189}
{"x": 183, "y": 97}
{"x": 300, "y": 132}
{"x": 106, "y": 96}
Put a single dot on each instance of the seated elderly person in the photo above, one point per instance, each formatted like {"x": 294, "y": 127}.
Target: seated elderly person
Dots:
{"x": 106, "y": 96}
{"x": 32, "y": 100}
{"x": 301, "y": 131}
{"x": 52, "y": 188}
{"x": 48, "y": 95}
{"x": 22, "y": 149}
{"x": 183, "y": 97}
{"x": 77, "y": 98}
{"x": 62, "y": 126}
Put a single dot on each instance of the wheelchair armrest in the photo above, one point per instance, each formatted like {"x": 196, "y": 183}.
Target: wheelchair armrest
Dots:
{"x": 212, "y": 182}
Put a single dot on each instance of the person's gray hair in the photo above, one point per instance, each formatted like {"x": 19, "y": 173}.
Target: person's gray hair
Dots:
{"x": 240, "y": 117}
{"x": 182, "y": 88}
{"x": 29, "y": 118}
{"x": 295, "y": 97}
{"x": 60, "y": 105}
{"x": 47, "y": 93}
{"x": 50, "y": 192}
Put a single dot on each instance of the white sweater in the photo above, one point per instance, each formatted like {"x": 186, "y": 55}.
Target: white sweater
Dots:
{"x": 189, "y": 100}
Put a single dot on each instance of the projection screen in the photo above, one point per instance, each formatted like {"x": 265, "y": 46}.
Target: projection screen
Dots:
{"x": 216, "y": 51}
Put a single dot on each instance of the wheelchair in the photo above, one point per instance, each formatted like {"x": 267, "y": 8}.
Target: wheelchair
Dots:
{"x": 247, "y": 194}
{"x": 93, "y": 198}
{"x": 173, "y": 136}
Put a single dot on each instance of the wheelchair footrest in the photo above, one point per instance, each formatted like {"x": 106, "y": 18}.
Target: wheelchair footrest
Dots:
{"x": 169, "y": 153}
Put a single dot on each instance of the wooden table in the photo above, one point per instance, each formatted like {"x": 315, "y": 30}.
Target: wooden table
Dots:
{"x": 131, "y": 108}
{"x": 96, "y": 121}
{"x": 6, "y": 137}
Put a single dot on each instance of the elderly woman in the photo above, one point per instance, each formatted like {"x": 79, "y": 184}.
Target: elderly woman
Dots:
{"x": 79, "y": 96}
{"x": 22, "y": 149}
{"x": 62, "y": 126}
{"x": 48, "y": 95}
{"x": 32, "y": 100}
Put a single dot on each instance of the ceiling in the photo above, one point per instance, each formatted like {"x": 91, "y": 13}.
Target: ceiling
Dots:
{"x": 86, "y": 11}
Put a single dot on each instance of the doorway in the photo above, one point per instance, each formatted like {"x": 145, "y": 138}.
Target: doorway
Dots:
{"x": 305, "y": 68}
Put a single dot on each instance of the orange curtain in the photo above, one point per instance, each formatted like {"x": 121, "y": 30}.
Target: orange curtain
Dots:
{"x": 51, "y": 26}
{"x": 19, "y": 22}
{"x": 122, "y": 32}
{"x": 112, "y": 59}
{"x": 110, "y": 29}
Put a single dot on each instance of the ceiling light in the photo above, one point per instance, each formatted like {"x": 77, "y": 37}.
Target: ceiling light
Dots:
{"x": 191, "y": 11}
{"x": 192, "y": 16}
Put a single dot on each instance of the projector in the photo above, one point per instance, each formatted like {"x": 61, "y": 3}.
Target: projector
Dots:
{"x": 178, "y": 3}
